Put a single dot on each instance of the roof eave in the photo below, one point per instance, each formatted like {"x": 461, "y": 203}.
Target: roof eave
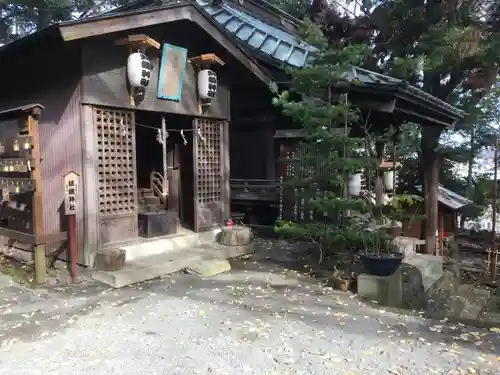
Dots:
{"x": 31, "y": 108}
{"x": 35, "y": 38}
{"x": 436, "y": 104}
{"x": 65, "y": 27}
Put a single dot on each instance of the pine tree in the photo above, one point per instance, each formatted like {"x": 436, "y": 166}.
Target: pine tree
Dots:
{"x": 450, "y": 49}
{"x": 315, "y": 102}
{"x": 22, "y": 17}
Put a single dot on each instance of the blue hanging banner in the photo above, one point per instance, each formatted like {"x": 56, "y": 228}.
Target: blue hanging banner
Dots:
{"x": 172, "y": 70}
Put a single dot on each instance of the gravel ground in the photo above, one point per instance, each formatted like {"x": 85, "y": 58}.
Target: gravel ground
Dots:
{"x": 254, "y": 320}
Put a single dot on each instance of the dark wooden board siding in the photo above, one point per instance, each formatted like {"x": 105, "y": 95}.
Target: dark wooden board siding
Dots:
{"x": 105, "y": 81}
{"x": 55, "y": 84}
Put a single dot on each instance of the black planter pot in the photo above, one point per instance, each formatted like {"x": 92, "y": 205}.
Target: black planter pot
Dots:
{"x": 381, "y": 264}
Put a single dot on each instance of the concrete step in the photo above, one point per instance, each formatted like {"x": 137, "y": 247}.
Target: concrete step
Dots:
{"x": 148, "y": 268}
{"x": 204, "y": 260}
{"x": 209, "y": 267}
{"x": 176, "y": 242}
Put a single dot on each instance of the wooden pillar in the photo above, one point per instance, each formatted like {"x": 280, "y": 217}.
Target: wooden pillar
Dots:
{"x": 38, "y": 229}
{"x": 270, "y": 158}
{"x": 226, "y": 175}
{"x": 441, "y": 231}
{"x": 455, "y": 224}
{"x": 90, "y": 186}
{"x": 173, "y": 190}
{"x": 379, "y": 184}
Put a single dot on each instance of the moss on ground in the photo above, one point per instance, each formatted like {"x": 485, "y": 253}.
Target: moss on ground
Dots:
{"x": 20, "y": 272}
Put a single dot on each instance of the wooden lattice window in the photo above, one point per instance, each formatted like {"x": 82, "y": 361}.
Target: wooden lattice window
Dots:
{"x": 208, "y": 161}
{"x": 115, "y": 141}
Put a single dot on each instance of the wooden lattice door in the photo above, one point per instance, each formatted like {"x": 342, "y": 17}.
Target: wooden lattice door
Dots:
{"x": 208, "y": 173}
{"x": 116, "y": 175}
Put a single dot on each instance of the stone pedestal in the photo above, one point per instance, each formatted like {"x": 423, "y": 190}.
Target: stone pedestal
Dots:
{"x": 385, "y": 290}
{"x": 235, "y": 236}
{"x": 110, "y": 260}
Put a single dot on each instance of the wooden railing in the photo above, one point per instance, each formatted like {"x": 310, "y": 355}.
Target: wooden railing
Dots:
{"x": 159, "y": 186}
{"x": 254, "y": 190}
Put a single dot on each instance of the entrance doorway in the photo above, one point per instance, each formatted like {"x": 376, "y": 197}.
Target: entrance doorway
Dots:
{"x": 179, "y": 193}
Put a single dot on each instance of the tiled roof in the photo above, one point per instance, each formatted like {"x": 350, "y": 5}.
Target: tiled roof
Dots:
{"x": 265, "y": 38}
{"x": 364, "y": 77}
{"x": 449, "y": 198}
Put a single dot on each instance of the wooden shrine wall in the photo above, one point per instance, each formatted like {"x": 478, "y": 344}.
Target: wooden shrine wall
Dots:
{"x": 104, "y": 74}
{"x": 59, "y": 123}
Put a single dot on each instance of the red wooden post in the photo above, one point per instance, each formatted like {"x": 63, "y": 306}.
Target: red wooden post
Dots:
{"x": 72, "y": 245}
{"x": 70, "y": 209}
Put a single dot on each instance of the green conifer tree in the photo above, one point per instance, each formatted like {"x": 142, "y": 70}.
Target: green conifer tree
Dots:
{"x": 317, "y": 100}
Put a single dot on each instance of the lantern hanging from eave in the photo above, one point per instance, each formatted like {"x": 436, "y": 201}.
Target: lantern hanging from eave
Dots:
{"x": 389, "y": 179}
{"x": 207, "y": 85}
{"x": 355, "y": 184}
{"x": 138, "y": 70}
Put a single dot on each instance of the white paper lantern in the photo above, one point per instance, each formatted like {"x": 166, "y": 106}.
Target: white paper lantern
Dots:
{"x": 354, "y": 185}
{"x": 207, "y": 84}
{"x": 389, "y": 180}
{"x": 138, "y": 70}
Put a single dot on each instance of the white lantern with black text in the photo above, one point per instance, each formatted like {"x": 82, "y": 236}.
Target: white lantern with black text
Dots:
{"x": 138, "y": 70}
{"x": 389, "y": 179}
{"x": 355, "y": 184}
{"x": 207, "y": 84}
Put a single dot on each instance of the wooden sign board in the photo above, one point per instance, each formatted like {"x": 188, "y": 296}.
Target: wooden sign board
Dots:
{"x": 172, "y": 69}
{"x": 17, "y": 185}
{"x": 5, "y": 195}
{"x": 71, "y": 182}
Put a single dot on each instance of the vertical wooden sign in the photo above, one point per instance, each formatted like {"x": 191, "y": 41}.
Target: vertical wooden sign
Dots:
{"x": 70, "y": 190}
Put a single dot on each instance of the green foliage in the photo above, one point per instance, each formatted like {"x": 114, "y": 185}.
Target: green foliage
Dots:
{"x": 315, "y": 102}
{"x": 449, "y": 49}
{"x": 33, "y": 15}
{"x": 404, "y": 208}
{"x": 402, "y": 201}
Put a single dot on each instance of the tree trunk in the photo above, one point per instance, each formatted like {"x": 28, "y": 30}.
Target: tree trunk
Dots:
{"x": 430, "y": 164}
{"x": 470, "y": 166}
{"x": 43, "y": 19}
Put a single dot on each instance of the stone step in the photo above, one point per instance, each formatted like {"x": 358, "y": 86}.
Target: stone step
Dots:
{"x": 203, "y": 260}
{"x": 176, "y": 242}
{"x": 151, "y": 200}
{"x": 209, "y": 267}
{"x": 148, "y": 268}
{"x": 151, "y": 207}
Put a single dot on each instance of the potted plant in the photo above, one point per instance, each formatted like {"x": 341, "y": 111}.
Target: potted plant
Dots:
{"x": 381, "y": 256}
